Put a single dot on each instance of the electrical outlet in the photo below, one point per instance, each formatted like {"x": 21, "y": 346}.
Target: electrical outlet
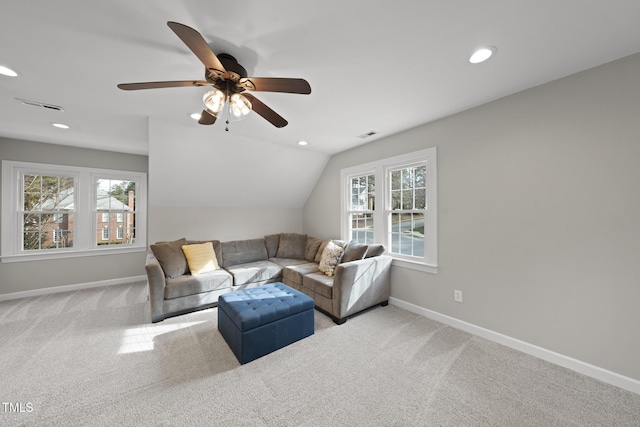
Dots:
{"x": 457, "y": 295}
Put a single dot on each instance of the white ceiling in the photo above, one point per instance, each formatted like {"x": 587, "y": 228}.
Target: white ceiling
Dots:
{"x": 381, "y": 66}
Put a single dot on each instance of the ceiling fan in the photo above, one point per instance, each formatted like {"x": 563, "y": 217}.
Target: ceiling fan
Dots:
{"x": 229, "y": 83}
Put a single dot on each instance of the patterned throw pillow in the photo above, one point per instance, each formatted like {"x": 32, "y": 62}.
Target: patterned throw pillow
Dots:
{"x": 331, "y": 257}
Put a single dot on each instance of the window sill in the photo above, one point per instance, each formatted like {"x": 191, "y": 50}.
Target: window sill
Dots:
{"x": 41, "y": 256}
{"x": 415, "y": 266}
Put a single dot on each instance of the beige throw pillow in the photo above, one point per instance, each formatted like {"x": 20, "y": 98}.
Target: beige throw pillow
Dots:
{"x": 201, "y": 258}
{"x": 331, "y": 256}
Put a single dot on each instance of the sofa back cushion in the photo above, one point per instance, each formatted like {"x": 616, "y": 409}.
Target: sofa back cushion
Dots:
{"x": 375, "y": 249}
{"x": 323, "y": 244}
{"x": 354, "y": 251}
{"x": 292, "y": 245}
{"x": 171, "y": 257}
{"x": 311, "y": 249}
{"x": 272, "y": 241}
{"x": 243, "y": 251}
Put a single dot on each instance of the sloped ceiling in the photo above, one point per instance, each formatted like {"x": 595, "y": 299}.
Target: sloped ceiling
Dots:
{"x": 372, "y": 66}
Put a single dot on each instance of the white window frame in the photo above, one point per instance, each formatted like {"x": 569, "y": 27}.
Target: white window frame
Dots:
{"x": 349, "y": 201}
{"x": 105, "y": 217}
{"x": 85, "y": 239}
{"x": 381, "y": 216}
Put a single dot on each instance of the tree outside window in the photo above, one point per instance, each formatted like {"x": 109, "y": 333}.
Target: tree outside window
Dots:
{"x": 48, "y": 208}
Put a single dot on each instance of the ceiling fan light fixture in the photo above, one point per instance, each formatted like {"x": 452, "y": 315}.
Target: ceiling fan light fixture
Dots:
{"x": 240, "y": 106}
{"x": 482, "y": 54}
{"x": 214, "y": 100}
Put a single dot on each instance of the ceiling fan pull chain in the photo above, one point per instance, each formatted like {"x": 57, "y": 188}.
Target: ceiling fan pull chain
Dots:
{"x": 228, "y": 111}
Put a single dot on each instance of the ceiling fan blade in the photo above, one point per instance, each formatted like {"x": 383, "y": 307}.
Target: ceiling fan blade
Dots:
{"x": 158, "y": 85}
{"x": 266, "y": 112}
{"x": 207, "y": 118}
{"x": 198, "y": 46}
{"x": 275, "y": 84}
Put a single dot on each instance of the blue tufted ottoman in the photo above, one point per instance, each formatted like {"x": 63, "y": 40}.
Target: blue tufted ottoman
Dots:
{"x": 258, "y": 321}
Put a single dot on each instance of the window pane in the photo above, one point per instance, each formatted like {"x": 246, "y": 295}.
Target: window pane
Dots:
{"x": 407, "y": 199}
{"x": 115, "y": 219}
{"x": 407, "y": 178}
{"x": 362, "y": 193}
{"x": 420, "y": 198}
{"x": 421, "y": 176}
{"x": 362, "y": 227}
{"x": 396, "y": 199}
{"x": 407, "y": 228}
{"x": 395, "y": 179}
{"x": 48, "y": 203}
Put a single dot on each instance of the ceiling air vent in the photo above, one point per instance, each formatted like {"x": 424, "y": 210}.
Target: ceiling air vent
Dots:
{"x": 40, "y": 104}
{"x": 368, "y": 134}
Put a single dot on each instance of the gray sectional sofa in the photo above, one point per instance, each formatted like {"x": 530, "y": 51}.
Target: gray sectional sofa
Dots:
{"x": 360, "y": 280}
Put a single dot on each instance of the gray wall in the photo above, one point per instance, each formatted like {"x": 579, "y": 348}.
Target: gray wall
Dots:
{"x": 33, "y": 275}
{"x": 220, "y": 223}
{"x": 205, "y": 183}
{"x": 538, "y": 215}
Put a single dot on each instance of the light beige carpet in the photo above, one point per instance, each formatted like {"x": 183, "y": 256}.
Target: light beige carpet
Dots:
{"x": 90, "y": 358}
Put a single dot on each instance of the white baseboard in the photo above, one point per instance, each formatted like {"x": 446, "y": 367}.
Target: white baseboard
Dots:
{"x": 601, "y": 374}
{"x": 67, "y": 288}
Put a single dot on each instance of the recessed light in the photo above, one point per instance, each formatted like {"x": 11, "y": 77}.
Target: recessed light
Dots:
{"x": 302, "y": 143}
{"x": 482, "y": 54}
{"x": 6, "y": 71}
{"x": 60, "y": 125}
{"x": 195, "y": 116}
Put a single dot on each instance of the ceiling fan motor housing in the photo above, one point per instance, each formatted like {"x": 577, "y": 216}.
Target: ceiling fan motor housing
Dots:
{"x": 228, "y": 80}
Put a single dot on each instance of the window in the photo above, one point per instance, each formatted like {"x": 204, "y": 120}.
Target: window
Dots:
{"x": 403, "y": 216}
{"x": 51, "y": 211}
{"x": 115, "y": 201}
{"x": 407, "y": 193}
{"x": 46, "y": 217}
{"x": 361, "y": 208}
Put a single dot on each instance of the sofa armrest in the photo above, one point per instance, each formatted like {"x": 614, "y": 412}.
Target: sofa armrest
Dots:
{"x": 156, "y": 282}
{"x": 361, "y": 284}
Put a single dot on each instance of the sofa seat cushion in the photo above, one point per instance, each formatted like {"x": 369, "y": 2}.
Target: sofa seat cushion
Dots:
{"x": 190, "y": 285}
{"x": 286, "y": 262}
{"x": 255, "y": 272}
{"x": 319, "y": 283}
{"x": 295, "y": 273}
